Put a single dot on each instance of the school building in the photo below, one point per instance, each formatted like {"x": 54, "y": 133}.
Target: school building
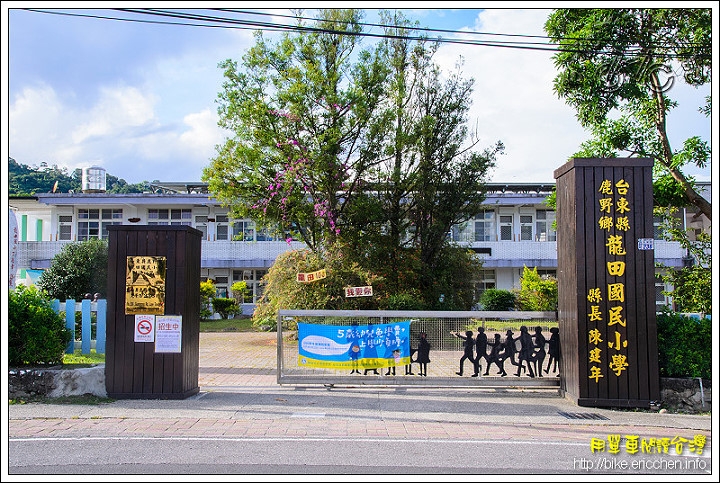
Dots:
{"x": 514, "y": 230}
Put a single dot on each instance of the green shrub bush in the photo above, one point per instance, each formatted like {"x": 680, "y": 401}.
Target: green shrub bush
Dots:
{"x": 403, "y": 301}
{"x": 36, "y": 333}
{"x": 684, "y": 345}
{"x": 207, "y": 292}
{"x": 282, "y": 290}
{"x": 78, "y": 269}
{"x": 537, "y": 293}
{"x": 497, "y": 299}
{"x": 225, "y": 306}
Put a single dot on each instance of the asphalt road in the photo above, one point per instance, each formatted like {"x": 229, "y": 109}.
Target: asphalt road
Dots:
{"x": 307, "y": 456}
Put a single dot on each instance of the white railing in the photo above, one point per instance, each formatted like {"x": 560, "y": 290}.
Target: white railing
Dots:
{"x": 242, "y": 250}
{"x": 508, "y": 250}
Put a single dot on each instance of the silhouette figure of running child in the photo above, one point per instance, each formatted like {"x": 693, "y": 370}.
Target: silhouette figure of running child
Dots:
{"x": 468, "y": 348}
{"x": 526, "y": 352}
{"x": 538, "y": 356}
{"x": 511, "y": 348}
{"x": 481, "y": 343}
{"x": 423, "y": 353}
{"x": 553, "y": 350}
{"x": 496, "y": 356}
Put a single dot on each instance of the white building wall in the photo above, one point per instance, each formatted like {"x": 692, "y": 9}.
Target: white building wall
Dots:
{"x": 30, "y": 222}
{"x": 505, "y": 278}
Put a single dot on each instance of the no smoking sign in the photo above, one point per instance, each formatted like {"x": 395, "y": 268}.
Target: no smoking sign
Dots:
{"x": 144, "y": 328}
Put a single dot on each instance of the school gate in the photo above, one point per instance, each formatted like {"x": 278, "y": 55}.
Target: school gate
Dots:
{"x": 153, "y": 310}
{"x": 606, "y": 313}
{"x": 316, "y": 347}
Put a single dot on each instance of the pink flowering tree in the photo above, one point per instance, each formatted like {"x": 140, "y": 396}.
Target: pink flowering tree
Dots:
{"x": 300, "y": 111}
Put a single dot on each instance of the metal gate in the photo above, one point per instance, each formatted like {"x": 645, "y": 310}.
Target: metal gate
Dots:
{"x": 445, "y": 353}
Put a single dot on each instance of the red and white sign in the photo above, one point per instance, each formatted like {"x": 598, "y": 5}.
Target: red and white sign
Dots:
{"x": 168, "y": 333}
{"x": 311, "y": 276}
{"x": 359, "y": 291}
{"x": 144, "y": 328}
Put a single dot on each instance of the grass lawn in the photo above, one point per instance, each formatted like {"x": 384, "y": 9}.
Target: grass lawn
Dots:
{"x": 79, "y": 360}
{"x": 514, "y": 325}
{"x": 503, "y": 325}
{"x": 227, "y": 325}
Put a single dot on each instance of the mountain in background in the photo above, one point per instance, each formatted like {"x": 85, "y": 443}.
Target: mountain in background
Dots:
{"x": 24, "y": 180}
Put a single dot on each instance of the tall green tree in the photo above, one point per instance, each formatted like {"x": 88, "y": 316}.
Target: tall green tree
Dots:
{"x": 385, "y": 211}
{"x": 617, "y": 70}
{"x": 449, "y": 184}
{"x": 430, "y": 176}
{"x": 361, "y": 148}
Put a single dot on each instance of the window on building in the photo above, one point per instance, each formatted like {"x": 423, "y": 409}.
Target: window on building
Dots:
{"x": 265, "y": 234}
{"x": 461, "y": 232}
{"x": 526, "y": 227}
{"x": 543, "y": 226}
{"x": 484, "y": 281}
{"x": 545, "y": 273}
{"x": 542, "y": 272}
{"x": 201, "y": 222}
{"x": 252, "y": 279}
{"x": 222, "y": 226}
{"x": 221, "y": 287}
{"x": 485, "y": 226}
{"x": 243, "y": 230}
{"x": 93, "y": 223}
{"x": 658, "y": 230}
{"x": 65, "y": 227}
{"x": 660, "y": 298}
{"x": 174, "y": 216}
{"x": 506, "y": 227}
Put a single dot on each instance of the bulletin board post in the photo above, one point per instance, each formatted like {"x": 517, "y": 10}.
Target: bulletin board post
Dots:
{"x": 153, "y": 314}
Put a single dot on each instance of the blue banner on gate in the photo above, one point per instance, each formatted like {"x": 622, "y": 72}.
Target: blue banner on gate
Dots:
{"x": 368, "y": 346}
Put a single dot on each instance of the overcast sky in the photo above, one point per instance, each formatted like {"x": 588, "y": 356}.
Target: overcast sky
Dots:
{"x": 139, "y": 99}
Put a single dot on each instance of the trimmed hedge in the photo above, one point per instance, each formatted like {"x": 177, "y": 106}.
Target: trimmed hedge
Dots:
{"x": 494, "y": 299}
{"x": 225, "y": 306}
{"x": 684, "y": 345}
